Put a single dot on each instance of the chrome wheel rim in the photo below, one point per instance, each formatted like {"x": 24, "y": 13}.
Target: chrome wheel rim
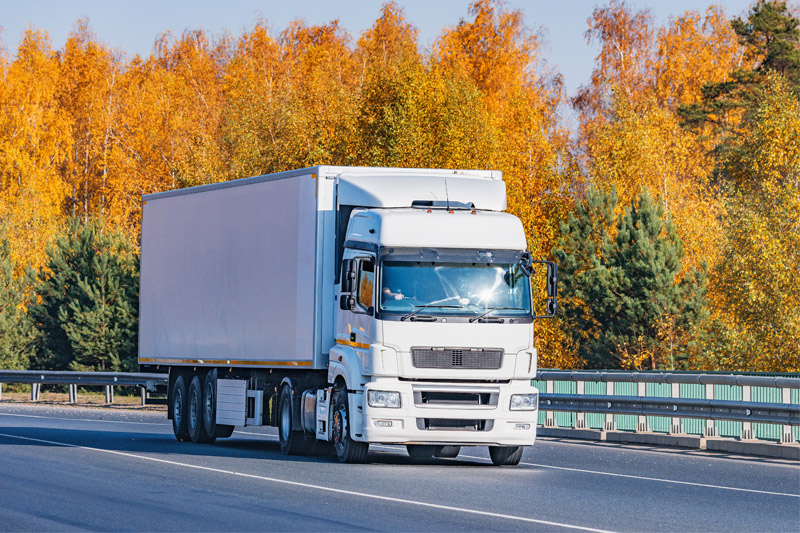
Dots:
{"x": 193, "y": 410}
{"x": 286, "y": 420}
{"x": 209, "y": 402}
{"x": 176, "y": 408}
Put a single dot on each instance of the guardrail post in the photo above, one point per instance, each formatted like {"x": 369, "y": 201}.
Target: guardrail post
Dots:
{"x": 109, "y": 393}
{"x": 73, "y": 393}
{"x": 143, "y": 391}
{"x": 711, "y": 428}
{"x": 610, "y": 425}
{"x": 580, "y": 417}
{"x": 549, "y": 416}
{"x": 747, "y": 427}
{"x": 641, "y": 424}
{"x": 1, "y": 391}
{"x": 787, "y": 437}
{"x": 35, "y": 392}
{"x": 676, "y": 427}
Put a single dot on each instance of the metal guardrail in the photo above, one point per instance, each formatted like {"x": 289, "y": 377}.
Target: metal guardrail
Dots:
{"x": 648, "y": 408}
{"x": 670, "y": 405}
{"x": 145, "y": 381}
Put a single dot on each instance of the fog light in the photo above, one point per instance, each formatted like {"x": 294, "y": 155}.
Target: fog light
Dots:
{"x": 379, "y": 398}
{"x": 383, "y": 423}
{"x": 524, "y": 402}
{"x": 522, "y": 426}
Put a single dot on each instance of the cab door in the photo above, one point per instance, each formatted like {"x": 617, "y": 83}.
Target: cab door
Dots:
{"x": 355, "y": 326}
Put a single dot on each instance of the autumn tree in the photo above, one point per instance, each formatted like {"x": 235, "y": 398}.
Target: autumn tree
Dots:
{"x": 87, "y": 93}
{"x": 34, "y": 141}
{"x": 290, "y": 100}
{"x": 755, "y": 296}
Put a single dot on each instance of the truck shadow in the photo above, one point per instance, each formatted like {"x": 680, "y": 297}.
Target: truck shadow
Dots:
{"x": 147, "y": 443}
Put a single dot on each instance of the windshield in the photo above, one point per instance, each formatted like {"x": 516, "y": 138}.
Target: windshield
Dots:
{"x": 455, "y": 289}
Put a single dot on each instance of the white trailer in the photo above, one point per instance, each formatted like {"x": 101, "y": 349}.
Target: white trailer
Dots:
{"x": 344, "y": 305}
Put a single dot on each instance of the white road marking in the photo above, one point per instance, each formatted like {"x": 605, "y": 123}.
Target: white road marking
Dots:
{"x": 315, "y": 487}
{"x": 398, "y": 448}
{"x": 85, "y": 419}
{"x": 629, "y": 476}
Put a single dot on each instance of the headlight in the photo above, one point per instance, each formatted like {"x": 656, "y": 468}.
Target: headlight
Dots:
{"x": 524, "y": 402}
{"x": 379, "y": 398}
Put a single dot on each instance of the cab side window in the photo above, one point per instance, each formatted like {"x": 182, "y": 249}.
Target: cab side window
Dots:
{"x": 366, "y": 284}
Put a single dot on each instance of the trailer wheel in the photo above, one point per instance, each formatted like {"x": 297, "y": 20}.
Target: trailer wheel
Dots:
{"x": 210, "y": 408}
{"x": 292, "y": 442}
{"x": 179, "y": 410}
{"x": 505, "y": 455}
{"x": 194, "y": 422}
{"x": 347, "y": 450}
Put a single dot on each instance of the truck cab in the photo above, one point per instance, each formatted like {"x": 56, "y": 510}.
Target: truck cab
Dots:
{"x": 434, "y": 328}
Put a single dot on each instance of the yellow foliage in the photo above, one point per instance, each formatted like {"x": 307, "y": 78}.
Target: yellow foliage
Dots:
{"x": 34, "y": 142}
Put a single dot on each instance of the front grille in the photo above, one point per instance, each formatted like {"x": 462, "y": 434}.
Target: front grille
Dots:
{"x": 452, "y": 424}
{"x": 474, "y": 358}
{"x": 485, "y": 398}
{"x": 455, "y": 398}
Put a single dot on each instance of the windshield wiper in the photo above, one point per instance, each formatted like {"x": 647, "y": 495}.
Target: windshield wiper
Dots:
{"x": 432, "y": 304}
{"x": 473, "y": 319}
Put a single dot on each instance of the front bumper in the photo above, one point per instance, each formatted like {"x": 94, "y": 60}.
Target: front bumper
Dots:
{"x": 454, "y": 414}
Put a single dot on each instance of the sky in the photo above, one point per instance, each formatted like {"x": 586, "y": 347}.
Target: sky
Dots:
{"x": 133, "y": 25}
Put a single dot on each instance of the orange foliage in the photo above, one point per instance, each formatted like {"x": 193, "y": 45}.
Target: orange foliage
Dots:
{"x": 84, "y": 131}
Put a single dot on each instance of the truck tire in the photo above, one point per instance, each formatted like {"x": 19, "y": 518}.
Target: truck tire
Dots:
{"x": 210, "y": 408}
{"x": 447, "y": 452}
{"x": 194, "y": 422}
{"x": 347, "y": 450}
{"x": 179, "y": 409}
{"x": 292, "y": 442}
{"x": 505, "y": 455}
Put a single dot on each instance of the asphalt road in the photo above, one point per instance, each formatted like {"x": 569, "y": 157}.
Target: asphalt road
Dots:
{"x": 100, "y": 469}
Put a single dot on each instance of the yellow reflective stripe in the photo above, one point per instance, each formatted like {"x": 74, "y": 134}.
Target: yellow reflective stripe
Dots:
{"x": 346, "y": 342}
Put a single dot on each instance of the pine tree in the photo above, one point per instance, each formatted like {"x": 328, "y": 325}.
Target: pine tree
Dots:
{"x": 16, "y": 333}
{"x": 580, "y": 244}
{"x": 622, "y": 294}
{"x": 771, "y": 36}
{"x": 88, "y": 314}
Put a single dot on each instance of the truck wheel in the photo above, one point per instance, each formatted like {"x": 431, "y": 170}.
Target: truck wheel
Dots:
{"x": 178, "y": 409}
{"x": 194, "y": 422}
{"x": 210, "y": 408}
{"x": 447, "y": 452}
{"x": 292, "y": 442}
{"x": 505, "y": 455}
{"x": 347, "y": 450}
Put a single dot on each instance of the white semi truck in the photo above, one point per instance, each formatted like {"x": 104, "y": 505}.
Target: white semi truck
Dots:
{"x": 345, "y": 305}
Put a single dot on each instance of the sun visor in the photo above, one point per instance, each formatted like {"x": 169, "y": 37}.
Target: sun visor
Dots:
{"x": 421, "y": 191}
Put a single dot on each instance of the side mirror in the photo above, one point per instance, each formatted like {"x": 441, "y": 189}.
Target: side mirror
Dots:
{"x": 346, "y": 302}
{"x": 371, "y": 311}
{"x": 552, "y": 280}
{"x": 348, "y": 275}
{"x": 552, "y": 288}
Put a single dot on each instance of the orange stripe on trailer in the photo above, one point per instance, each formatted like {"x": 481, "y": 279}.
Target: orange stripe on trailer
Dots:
{"x": 223, "y": 362}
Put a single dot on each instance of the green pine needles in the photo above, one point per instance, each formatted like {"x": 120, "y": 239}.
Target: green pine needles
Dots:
{"x": 624, "y": 300}
{"x": 88, "y": 294}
